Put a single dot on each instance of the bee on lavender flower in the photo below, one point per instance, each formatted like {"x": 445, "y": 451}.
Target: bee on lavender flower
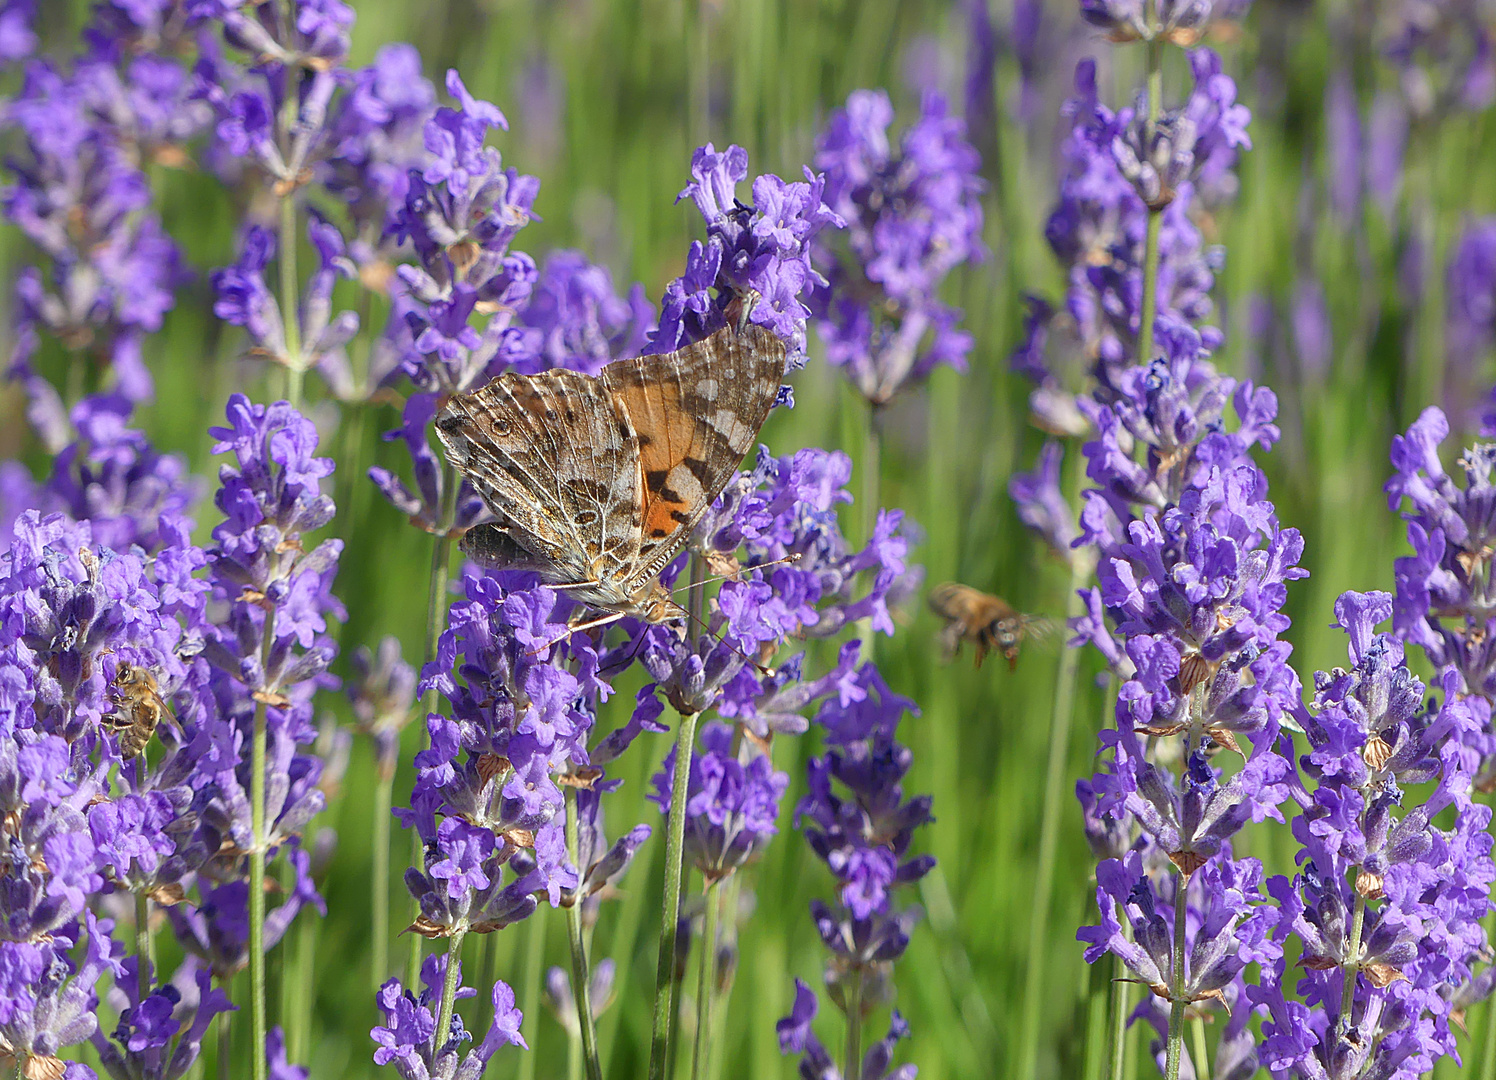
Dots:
{"x": 988, "y": 622}
{"x": 138, "y": 709}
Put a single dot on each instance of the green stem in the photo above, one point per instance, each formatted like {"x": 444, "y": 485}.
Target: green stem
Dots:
{"x": 224, "y": 1067}
{"x": 379, "y": 898}
{"x": 852, "y": 1066}
{"x": 530, "y": 992}
{"x": 727, "y": 919}
{"x": 290, "y": 308}
{"x": 289, "y": 287}
{"x": 573, "y": 1057}
{"x": 872, "y": 466}
{"x": 1175, "y": 1048}
{"x": 257, "y": 1024}
{"x": 1049, "y": 829}
{"x": 1488, "y": 1051}
{"x": 662, "y": 1030}
{"x": 449, "y": 988}
{"x": 1352, "y": 967}
{"x": 705, "y": 968}
{"x": 145, "y": 958}
{"x": 1202, "y": 1057}
{"x": 1155, "y": 215}
{"x": 581, "y": 977}
{"x": 1096, "y": 988}
{"x": 1121, "y": 1006}
{"x": 300, "y": 982}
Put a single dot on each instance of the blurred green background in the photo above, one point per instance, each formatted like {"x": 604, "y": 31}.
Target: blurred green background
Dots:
{"x": 606, "y": 100}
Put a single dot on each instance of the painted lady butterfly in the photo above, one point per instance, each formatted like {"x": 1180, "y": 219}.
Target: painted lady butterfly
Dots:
{"x": 598, "y": 482}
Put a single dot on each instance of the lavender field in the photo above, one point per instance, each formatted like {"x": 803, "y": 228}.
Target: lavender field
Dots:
{"x": 1085, "y": 671}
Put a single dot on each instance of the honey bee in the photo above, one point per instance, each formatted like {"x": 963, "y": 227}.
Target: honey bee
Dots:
{"x": 138, "y": 709}
{"x": 988, "y": 622}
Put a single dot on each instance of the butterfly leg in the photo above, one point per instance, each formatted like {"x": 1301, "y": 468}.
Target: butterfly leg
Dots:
{"x": 572, "y": 629}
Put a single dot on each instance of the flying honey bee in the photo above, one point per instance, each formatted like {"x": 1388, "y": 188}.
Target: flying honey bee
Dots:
{"x": 988, "y": 622}
{"x": 138, "y": 709}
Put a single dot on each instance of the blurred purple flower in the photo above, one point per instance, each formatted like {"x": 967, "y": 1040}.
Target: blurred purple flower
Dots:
{"x": 911, "y": 216}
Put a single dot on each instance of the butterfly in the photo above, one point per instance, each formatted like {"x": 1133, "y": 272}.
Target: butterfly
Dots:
{"x": 598, "y": 482}
{"x": 988, "y": 622}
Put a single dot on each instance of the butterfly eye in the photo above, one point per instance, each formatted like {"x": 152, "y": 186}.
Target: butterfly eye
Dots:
{"x": 501, "y": 428}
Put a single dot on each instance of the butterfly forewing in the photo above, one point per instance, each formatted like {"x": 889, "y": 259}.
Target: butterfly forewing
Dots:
{"x": 696, "y": 411}
{"x": 599, "y": 482}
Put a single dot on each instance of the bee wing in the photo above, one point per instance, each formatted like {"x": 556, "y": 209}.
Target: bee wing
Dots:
{"x": 950, "y": 641}
{"x": 1039, "y": 628}
{"x": 170, "y": 717}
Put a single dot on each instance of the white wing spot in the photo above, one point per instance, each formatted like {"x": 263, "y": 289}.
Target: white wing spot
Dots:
{"x": 684, "y": 483}
{"x": 708, "y": 388}
{"x": 737, "y": 433}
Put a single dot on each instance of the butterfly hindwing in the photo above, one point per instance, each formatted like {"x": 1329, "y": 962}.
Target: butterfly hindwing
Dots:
{"x": 696, "y": 412}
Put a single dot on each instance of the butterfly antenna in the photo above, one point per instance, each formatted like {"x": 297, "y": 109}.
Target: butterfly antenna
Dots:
{"x": 792, "y": 557}
{"x": 766, "y": 672}
{"x": 570, "y": 630}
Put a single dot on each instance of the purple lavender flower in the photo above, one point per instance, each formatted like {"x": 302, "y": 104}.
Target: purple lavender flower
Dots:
{"x": 383, "y": 694}
{"x": 17, "y": 41}
{"x": 406, "y": 1038}
{"x": 1182, "y": 22}
{"x": 857, "y": 821}
{"x": 732, "y": 801}
{"x": 49, "y": 999}
{"x": 110, "y": 475}
{"x": 1097, "y": 231}
{"x": 523, "y": 696}
{"x": 161, "y": 1036}
{"x": 1390, "y": 902}
{"x": 80, "y": 196}
{"x": 1440, "y": 604}
{"x": 462, "y": 210}
{"x": 912, "y": 216}
{"x": 563, "y": 1005}
{"x": 1470, "y": 319}
{"x": 764, "y": 248}
{"x": 785, "y": 509}
{"x": 1444, "y": 53}
{"x": 797, "y": 1037}
{"x": 583, "y": 321}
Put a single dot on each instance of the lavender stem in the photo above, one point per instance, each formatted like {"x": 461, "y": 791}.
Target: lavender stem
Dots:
{"x": 379, "y": 898}
{"x": 1049, "y": 826}
{"x": 1121, "y": 1008}
{"x": 530, "y": 996}
{"x": 225, "y": 1068}
{"x": 1352, "y": 967}
{"x": 449, "y": 989}
{"x": 581, "y": 976}
{"x": 1176, "y": 991}
{"x": 852, "y": 1068}
{"x": 701, "y": 1049}
{"x": 1488, "y": 1052}
{"x": 662, "y": 1030}
{"x": 145, "y": 960}
{"x": 1201, "y": 1051}
{"x": 258, "y": 1026}
{"x": 1155, "y": 216}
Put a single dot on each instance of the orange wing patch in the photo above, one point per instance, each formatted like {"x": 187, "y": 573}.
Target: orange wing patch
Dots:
{"x": 669, "y": 453}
